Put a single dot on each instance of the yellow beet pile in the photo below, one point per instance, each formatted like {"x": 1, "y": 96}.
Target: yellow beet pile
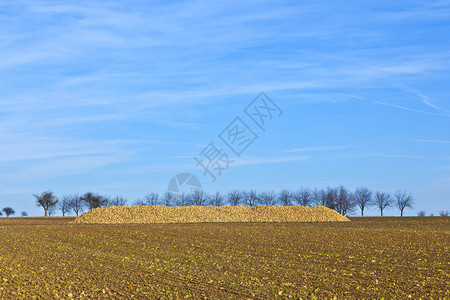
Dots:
{"x": 202, "y": 214}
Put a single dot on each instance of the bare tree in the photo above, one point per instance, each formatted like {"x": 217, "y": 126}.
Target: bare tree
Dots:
{"x": 344, "y": 202}
{"x": 117, "y": 201}
{"x": 151, "y": 199}
{"x": 382, "y": 200}
{"x": 303, "y": 197}
{"x": 404, "y": 200}
{"x": 64, "y": 204}
{"x": 183, "y": 200}
{"x": 8, "y": 211}
{"x": 234, "y": 197}
{"x": 268, "y": 198}
{"x": 75, "y": 203}
{"x": 331, "y": 195}
{"x": 285, "y": 198}
{"x": 250, "y": 198}
{"x": 319, "y": 197}
{"x": 216, "y": 199}
{"x": 326, "y": 197}
{"x": 139, "y": 201}
{"x": 168, "y": 199}
{"x": 47, "y": 200}
{"x": 363, "y": 198}
{"x": 93, "y": 200}
{"x": 199, "y": 197}
{"x": 24, "y": 214}
{"x": 51, "y": 210}
{"x": 443, "y": 213}
{"x": 421, "y": 213}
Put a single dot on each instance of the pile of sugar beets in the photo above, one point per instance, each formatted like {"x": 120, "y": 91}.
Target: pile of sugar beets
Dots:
{"x": 201, "y": 214}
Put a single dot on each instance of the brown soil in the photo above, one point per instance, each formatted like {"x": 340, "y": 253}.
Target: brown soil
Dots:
{"x": 368, "y": 258}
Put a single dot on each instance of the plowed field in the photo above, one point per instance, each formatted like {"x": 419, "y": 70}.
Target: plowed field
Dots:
{"x": 48, "y": 258}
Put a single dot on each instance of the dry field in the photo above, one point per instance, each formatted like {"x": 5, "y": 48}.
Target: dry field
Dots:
{"x": 365, "y": 258}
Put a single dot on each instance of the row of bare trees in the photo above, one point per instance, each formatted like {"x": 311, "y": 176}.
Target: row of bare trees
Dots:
{"x": 74, "y": 202}
{"x": 339, "y": 198}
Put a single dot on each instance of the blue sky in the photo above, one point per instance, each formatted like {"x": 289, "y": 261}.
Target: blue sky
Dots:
{"x": 117, "y": 97}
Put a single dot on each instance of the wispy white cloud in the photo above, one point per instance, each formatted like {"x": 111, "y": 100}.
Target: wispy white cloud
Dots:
{"x": 27, "y": 148}
{"x": 446, "y": 167}
{"x": 427, "y": 102}
{"x": 437, "y": 186}
{"x": 432, "y": 141}
{"x": 425, "y": 99}
{"x": 411, "y": 109}
{"x": 268, "y": 160}
{"x": 57, "y": 168}
{"x": 317, "y": 148}
{"x": 430, "y": 10}
{"x": 408, "y": 156}
{"x": 4, "y": 190}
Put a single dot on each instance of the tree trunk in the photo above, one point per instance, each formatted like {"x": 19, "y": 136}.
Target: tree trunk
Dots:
{"x": 401, "y": 213}
{"x": 45, "y": 212}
